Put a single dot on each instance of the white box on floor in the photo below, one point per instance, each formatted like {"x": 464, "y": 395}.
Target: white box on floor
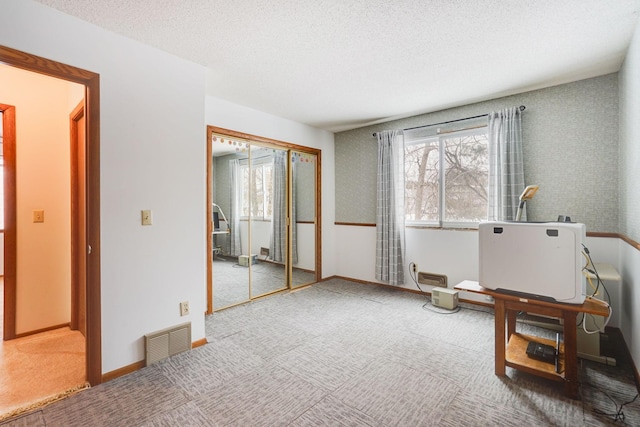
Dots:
{"x": 444, "y": 297}
{"x": 243, "y": 260}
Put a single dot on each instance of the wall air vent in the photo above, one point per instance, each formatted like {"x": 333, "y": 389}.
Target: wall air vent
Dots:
{"x": 167, "y": 342}
{"x": 432, "y": 279}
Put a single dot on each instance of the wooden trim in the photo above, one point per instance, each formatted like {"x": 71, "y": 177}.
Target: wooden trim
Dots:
{"x": 94, "y": 322}
{"x": 10, "y": 221}
{"x": 125, "y": 370}
{"x": 199, "y": 343}
{"x": 355, "y": 224}
{"x": 413, "y": 291}
{"x": 91, "y": 81}
{"x": 129, "y": 369}
{"x": 630, "y": 241}
{"x": 39, "y": 331}
{"x": 259, "y": 140}
{"x": 209, "y": 219}
{"x": 601, "y": 234}
{"x": 318, "y": 214}
{"x": 78, "y": 221}
{"x": 589, "y": 233}
{"x": 40, "y": 65}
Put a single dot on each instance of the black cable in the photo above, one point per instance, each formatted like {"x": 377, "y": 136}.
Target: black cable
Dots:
{"x": 412, "y": 273}
{"x": 428, "y": 305}
{"x": 599, "y": 281}
{"x": 618, "y": 415}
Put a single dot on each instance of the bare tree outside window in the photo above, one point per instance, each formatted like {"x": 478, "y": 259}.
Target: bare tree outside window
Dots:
{"x": 421, "y": 181}
{"x": 257, "y": 193}
{"x": 455, "y": 194}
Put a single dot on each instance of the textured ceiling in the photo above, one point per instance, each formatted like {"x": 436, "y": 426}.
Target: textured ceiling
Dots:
{"x": 342, "y": 64}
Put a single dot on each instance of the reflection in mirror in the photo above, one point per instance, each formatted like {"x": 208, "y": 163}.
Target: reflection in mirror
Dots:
{"x": 304, "y": 215}
{"x": 230, "y": 279}
{"x": 268, "y": 220}
{"x": 264, "y": 217}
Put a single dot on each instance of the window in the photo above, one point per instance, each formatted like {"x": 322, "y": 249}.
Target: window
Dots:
{"x": 256, "y": 197}
{"x": 454, "y": 194}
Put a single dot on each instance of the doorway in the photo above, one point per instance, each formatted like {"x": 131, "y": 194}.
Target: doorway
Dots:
{"x": 263, "y": 210}
{"x": 91, "y": 83}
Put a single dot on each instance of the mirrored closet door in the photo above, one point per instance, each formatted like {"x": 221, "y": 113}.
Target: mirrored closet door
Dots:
{"x": 228, "y": 230}
{"x": 263, "y": 214}
{"x": 303, "y": 250}
{"x": 268, "y": 216}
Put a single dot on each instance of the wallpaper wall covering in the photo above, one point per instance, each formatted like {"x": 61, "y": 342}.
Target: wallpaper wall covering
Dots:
{"x": 570, "y": 135}
{"x": 305, "y": 185}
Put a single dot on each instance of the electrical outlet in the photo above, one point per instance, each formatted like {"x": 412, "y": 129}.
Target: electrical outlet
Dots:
{"x": 414, "y": 267}
{"x": 184, "y": 308}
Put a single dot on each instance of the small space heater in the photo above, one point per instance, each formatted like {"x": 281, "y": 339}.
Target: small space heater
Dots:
{"x": 444, "y": 297}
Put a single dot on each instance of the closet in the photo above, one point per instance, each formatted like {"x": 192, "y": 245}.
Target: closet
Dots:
{"x": 263, "y": 209}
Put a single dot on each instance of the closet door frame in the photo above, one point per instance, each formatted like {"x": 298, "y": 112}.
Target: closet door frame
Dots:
{"x": 262, "y": 141}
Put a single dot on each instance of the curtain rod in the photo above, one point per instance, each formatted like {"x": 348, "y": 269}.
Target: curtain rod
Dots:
{"x": 522, "y": 108}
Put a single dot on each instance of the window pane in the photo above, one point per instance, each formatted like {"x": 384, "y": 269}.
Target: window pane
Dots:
{"x": 268, "y": 186}
{"x": 421, "y": 181}
{"x": 466, "y": 178}
{"x": 244, "y": 170}
{"x": 257, "y": 197}
{"x": 257, "y": 202}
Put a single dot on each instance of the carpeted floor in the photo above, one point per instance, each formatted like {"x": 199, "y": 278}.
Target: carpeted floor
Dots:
{"x": 345, "y": 354}
{"x": 231, "y": 280}
{"x": 40, "y": 368}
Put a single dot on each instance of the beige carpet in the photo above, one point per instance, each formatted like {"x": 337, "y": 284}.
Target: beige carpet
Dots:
{"x": 40, "y": 368}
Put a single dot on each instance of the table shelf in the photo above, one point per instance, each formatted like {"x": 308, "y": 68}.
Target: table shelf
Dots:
{"x": 516, "y": 357}
{"x": 513, "y": 353}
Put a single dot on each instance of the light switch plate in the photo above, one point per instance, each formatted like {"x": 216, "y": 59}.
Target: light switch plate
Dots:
{"x": 38, "y": 215}
{"x": 146, "y": 217}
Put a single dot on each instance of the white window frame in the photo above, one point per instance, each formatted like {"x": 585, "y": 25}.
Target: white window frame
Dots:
{"x": 441, "y": 222}
{"x": 244, "y": 165}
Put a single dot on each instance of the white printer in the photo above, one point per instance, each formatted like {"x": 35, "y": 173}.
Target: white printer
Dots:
{"x": 534, "y": 259}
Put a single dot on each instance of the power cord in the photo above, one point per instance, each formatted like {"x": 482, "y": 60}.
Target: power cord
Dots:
{"x": 618, "y": 414}
{"x": 599, "y": 282}
{"x": 428, "y": 305}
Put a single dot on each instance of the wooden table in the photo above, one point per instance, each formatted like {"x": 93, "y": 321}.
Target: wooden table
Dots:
{"x": 510, "y": 346}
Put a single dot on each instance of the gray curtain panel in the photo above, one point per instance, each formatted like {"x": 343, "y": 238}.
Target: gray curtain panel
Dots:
{"x": 506, "y": 170}
{"x": 235, "y": 248}
{"x": 390, "y": 237}
{"x": 278, "y": 243}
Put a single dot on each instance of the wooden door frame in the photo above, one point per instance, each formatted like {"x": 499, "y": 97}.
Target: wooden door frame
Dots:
{"x": 270, "y": 142}
{"x": 78, "y": 233}
{"x": 91, "y": 82}
{"x": 10, "y": 222}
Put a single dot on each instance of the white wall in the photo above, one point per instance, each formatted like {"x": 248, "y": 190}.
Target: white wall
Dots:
{"x": 630, "y": 314}
{"x": 235, "y": 117}
{"x": 152, "y": 157}
{"x": 453, "y": 253}
{"x": 43, "y": 293}
{"x": 629, "y": 199}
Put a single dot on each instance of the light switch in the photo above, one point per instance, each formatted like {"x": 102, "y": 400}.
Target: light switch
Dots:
{"x": 38, "y": 215}
{"x": 146, "y": 217}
